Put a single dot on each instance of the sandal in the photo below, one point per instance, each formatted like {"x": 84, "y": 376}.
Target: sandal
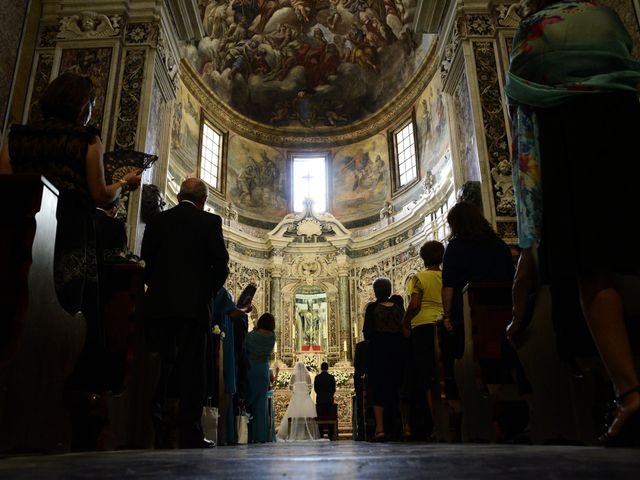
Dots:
{"x": 629, "y": 433}
{"x": 378, "y": 437}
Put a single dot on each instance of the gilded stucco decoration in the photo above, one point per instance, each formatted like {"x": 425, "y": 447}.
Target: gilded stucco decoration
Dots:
{"x": 507, "y": 15}
{"x": 167, "y": 57}
{"x": 89, "y": 25}
{"x": 494, "y": 127}
{"x": 309, "y": 226}
{"x": 453, "y": 42}
{"x": 309, "y": 267}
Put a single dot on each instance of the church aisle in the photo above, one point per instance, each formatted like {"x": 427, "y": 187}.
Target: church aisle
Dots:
{"x": 344, "y": 460}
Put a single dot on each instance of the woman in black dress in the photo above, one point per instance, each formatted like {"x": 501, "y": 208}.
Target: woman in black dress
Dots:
{"x": 68, "y": 152}
{"x": 383, "y": 330}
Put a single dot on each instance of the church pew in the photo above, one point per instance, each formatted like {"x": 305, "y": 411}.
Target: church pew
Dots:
{"x": 43, "y": 340}
{"x": 566, "y": 396}
{"x": 129, "y": 411}
{"x": 487, "y": 312}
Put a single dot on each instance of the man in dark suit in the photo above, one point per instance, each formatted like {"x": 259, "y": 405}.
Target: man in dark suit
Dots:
{"x": 186, "y": 264}
{"x": 325, "y": 386}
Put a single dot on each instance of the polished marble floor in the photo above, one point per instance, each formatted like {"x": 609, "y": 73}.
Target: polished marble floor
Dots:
{"x": 336, "y": 460}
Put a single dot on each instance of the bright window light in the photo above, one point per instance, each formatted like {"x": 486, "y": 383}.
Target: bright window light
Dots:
{"x": 210, "y": 156}
{"x": 309, "y": 180}
{"x": 406, "y": 150}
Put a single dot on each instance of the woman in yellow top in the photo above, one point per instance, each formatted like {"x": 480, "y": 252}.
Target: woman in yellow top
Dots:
{"x": 424, "y": 310}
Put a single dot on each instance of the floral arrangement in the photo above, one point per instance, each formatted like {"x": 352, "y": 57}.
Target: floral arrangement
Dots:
{"x": 284, "y": 377}
{"x": 342, "y": 378}
{"x": 312, "y": 363}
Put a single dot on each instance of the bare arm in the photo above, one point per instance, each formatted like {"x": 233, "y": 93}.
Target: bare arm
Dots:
{"x": 447, "y": 305}
{"x": 412, "y": 309}
{"x": 101, "y": 193}
{"x": 5, "y": 161}
{"x": 239, "y": 312}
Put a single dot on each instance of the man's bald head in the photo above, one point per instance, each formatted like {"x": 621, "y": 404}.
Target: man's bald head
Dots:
{"x": 194, "y": 190}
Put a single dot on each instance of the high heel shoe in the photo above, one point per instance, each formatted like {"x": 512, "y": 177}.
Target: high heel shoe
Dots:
{"x": 629, "y": 434}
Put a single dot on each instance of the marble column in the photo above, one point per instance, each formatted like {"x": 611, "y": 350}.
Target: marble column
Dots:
{"x": 345, "y": 319}
{"x": 276, "y": 310}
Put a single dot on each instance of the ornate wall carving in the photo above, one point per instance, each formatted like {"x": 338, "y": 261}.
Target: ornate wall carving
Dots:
{"x": 142, "y": 33}
{"x": 48, "y": 36}
{"x": 478, "y": 25}
{"x": 89, "y": 25}
{"x": 96, "y": 64}
{"x": 41, "y": 80}
{"x": 130, "y": 95}
{"x": 494, "y": 128}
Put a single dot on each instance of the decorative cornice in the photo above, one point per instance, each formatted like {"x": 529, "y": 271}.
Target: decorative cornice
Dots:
{"x": 321, "y": 137}
{"x": 89, "y": 25}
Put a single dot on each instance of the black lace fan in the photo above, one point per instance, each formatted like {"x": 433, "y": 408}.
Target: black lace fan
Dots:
{"x": 120, "y": 162}
{"x": 246, "y": 297}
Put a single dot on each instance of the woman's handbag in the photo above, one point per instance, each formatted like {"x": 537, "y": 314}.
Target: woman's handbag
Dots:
{"x": 210, "y": 423}
{"x": 242, "y": 428}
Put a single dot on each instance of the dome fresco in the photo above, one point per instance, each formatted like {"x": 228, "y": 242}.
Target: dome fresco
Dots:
{"x": 303, "y": 64}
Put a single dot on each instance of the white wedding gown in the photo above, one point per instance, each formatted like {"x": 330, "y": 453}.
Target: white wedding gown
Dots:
{"x": 301, "y": 410}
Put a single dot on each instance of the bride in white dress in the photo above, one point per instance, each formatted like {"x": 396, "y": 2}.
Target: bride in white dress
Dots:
{"x": 301, "y": 409}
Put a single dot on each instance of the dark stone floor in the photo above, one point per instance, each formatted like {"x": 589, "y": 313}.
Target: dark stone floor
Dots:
{"x": 336, "y": 460}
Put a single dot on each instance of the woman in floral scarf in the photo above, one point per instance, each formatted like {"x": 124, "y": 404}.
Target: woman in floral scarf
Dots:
{"x": 575, "y": 113}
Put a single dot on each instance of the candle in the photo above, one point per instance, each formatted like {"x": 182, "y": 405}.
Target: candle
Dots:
{"x": 345, "y": 345}
{"x": 275, "y": 347}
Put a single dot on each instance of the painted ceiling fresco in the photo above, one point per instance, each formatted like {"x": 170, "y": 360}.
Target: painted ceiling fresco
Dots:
{"x": 308, "y": 63}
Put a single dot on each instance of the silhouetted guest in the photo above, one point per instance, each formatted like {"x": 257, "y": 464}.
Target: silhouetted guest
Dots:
{"x": 424, "y": 310}
{"x": 383, "y": 329}
{"x": 259, "y": 346}
{"x": 186, "y": 264}
{"x": 572, "y": 87}
{"x": 68, "y": 152}
{"x": 359, "y": 371}
{"x": 475, "y": 253}
{"x": 226, "y": 314}
{"x": 325, "y": 387}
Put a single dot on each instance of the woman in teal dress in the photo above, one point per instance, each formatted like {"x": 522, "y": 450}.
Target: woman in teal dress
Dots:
{"x": 259, "y": 344}
{"x": 225, "y": 312}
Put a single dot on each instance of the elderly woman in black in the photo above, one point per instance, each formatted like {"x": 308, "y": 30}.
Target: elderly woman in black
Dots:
{"x": 383, "y": 330}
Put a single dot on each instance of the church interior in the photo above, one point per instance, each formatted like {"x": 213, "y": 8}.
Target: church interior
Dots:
{"x": 334, "y": 136}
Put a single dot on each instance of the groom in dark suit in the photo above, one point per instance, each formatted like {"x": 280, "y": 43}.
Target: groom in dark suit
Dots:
{"x": 186, "y": 264}
{"x": 325, "y": 387}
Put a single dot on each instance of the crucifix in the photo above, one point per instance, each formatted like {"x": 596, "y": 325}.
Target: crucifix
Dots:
{"x": 308, "y": 178}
